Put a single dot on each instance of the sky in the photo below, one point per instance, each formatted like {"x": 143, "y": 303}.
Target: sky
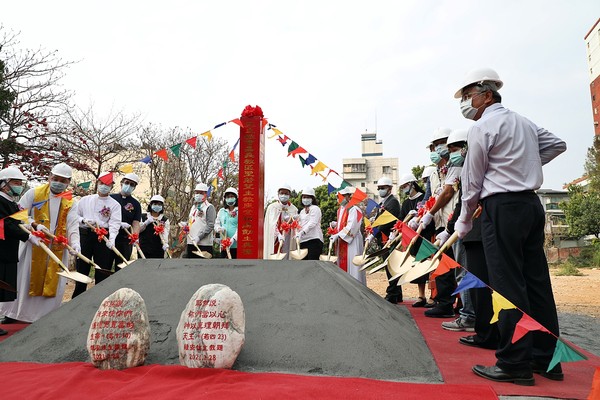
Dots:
{"x": 323, "y": 71}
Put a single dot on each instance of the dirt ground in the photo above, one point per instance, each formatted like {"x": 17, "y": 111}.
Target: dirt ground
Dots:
{"x": 573, "y": 294}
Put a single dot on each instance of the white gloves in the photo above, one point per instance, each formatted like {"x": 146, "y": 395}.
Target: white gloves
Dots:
{"x": 413, "y": 213}
{"x": 392, "y": 236}
{"x": 333, "y": 224}
{"x": 442, "y": 237}
{"x": 194, "y": 239}
{"x": 298, "y": 235}
{"x": 413, "y": 224}
{"x": 280, "y": 237}
{"x": 370, "y": 237}
{"x": 75, "y": 248}
{"x": 34, "y": 240}
{"x": 426, "y": 219}
{"x": 85, "y": 221}
{"x": 334, "y": 237}
{"x": 110, "y": 245}
{"x": 125, "y": 225}
{"x": 149, "y": 219}
{"x": 182, "y": 224}
{"x": 463, "y": 227}
{"x": 42, "y": 228}
{"x": 165, "y": 247}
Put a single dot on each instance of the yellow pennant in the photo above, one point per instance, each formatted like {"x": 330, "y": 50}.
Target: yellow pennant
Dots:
{"x": 214, "y": 183}
{"x": 20, "y": 215}
{"x": 319, "y": 167}
{"x": 385, "y": 218}
{"x": 207, "y": 134}
{"x": 367, "y": 222}
{"x": 500, "y": 303}
{"x": 126, "y": 169}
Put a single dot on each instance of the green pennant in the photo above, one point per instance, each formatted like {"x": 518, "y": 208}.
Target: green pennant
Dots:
{"x": 225, "y": 163}
{"x": 85, "y": 185}
{"x": 564, "y": 353}
{"x": 293, "y": 146}
{"x": 175, "y": 149}
{"x": 302, "y": 161}
{"x": 343, "y": 185}
{"x": 425, "y": 250}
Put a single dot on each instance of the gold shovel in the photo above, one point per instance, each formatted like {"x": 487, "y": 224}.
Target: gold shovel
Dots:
{"x": 427, "y": 266}
{"x": 299, "y": 253}
{"x": 279, "y": 255}
{"x": 77, "y": 254}
{"x": 401, "y": 261}
{"x": 114, "y": 249}
{"x": 201, "y": 253}
{"x": 328, "y": 256}
{"x": 76, "y": 276}
{"x": 361, "y": 260}
{"x": 136, "y": 244}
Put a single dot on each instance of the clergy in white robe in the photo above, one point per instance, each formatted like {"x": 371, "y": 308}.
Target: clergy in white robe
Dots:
{"x": 278, "y": 214}
{"x": 349, "y": 240}
{"x": 39, "y": 289}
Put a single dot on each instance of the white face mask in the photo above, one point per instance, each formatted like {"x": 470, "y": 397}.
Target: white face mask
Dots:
{"x": 103, "y": 189}
{"x": 307, "y": 202}
{"x": 284, "y": 198}
{"x": 127, "y": 189}
{"x": 156, "y": 208}
{"x": 382, "y": 192}
{"x": 198, "y": 198}
{"x": 57, "y": 187}
{"x": 467, "y": 109}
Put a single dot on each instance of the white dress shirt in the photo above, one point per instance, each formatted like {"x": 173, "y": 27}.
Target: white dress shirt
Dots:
{"x": 90, "y": 207}
{"x": 310, "y": 224}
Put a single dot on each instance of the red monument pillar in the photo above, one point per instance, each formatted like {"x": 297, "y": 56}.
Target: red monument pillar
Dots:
{"x": 251, "y": 184}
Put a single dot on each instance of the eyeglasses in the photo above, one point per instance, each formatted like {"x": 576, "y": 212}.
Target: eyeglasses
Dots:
{"x": 468, "y": 96}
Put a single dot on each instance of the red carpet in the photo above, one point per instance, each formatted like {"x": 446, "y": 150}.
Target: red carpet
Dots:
{"x": 455, "y": 361}
{"x": 82, "y": 380}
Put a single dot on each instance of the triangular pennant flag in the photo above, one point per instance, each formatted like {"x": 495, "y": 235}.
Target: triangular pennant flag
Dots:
{"x": 344, "y": 184}
{"x": 210, "y": 189}
{"x": 293, "y": 146}
{"x": 146, "y": 160}
{"x": 595, "y": 392}
{"x": 276, "y": 132}
{"x": 526, "y": 324}
{"x": 220, "y": 174}
{"x": 236, "y": 145}
{"x": 367, "y": 222}
{"x": 384, "y": 237}
{"x": 318, "y": 168}
{"x": 220, "y": 125}
{"x": 85, "y": 185}
{"x": 232, "y": 156}
{"x": 425, "y": 250}
{"x": 208, "y": 135}
{"x": 446, "y": 263}
{"x": 564, "y": 353}
{"x": 330, "y": 188}
{"x": 66, "y": 195}
{"x": 340, "y": 197}
{"x": 2, "y": 229}
{"x": 126, "y": 169}
{"x": 469, "y": 281}
{"x": 310, "y": 159}
{"x": 192, "y": 141}
{"x": 298, "y": 150}
{"x": 357, "y": 197}
{"x": 39, "y": 204}
{"x": 108, "y": 178}
{"x": 500, "y": 303}
{"x": 162, "y": 153}
{"x": 385, "y": 218}
{"x": 283, "y": 140}
{"x": 371, "y": 205}
{"x": 407, "y": 235}
{"x": 302, "y": 161}
{"x": 176, "y": 149}
{"x": 214, "y": 183}
{"x": 20, "y": 215}
{"x": 237, "y": 122}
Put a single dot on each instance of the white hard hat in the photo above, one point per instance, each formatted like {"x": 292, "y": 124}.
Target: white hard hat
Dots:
{"x": 479, "y": 75}
{"x": 62, "y": 170}
{"x": 458, "y": 135}
{"x": 132, "y": 177}
{"x": 231, "y": 190}
{"x": 285, "y": 186}
{"x": 12, "y": 172}
{"x": 406, "y": 178}
{"x": 427, "y": 171}
{"x": 385, "y": 181}
{"x": 347, "y": 190}
{"x": 441, "y": 133}
{"x": 157, "y": 197}
{"x": 309, "y": 192}
{"x": 201, "y": 187}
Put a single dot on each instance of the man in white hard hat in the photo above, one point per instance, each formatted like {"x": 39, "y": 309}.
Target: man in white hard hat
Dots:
{"x": 97, "y": 211}
{"x": 279, "y": 212}
{"x": 201, "y": 222}
{"x": 388, "y": 202}
{"x": 11, "y": 186}
{"x": 502, "y": 170}
{"x": 131, "y": 215}
{"x": 40, "y": 289}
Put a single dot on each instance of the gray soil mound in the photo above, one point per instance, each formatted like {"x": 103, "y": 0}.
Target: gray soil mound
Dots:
{"x": 302, "y": 317}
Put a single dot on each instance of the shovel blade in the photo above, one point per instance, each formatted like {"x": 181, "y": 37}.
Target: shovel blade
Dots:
{"x": 299, "y": 254}
{"x": 277, "y": 256}
{"x": 76, "y": 276}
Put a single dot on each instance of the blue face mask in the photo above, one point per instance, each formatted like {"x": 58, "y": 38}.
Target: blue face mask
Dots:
{"x": 457, "y": 159}
{"x": 442, "y": 150}
{"x": 57, "y": 187}
{"x": 230, "y": 201}
{"x": 435, "y": 157}
{"x": 156, "y": 208}
{"x": 17, "y": 190}
{"x": 104, "y": 189}
{"x": 127, "y": 190}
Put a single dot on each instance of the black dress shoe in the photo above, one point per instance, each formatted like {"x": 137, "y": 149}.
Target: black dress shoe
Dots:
{"x": 430, "y": 305}
{"x": 471, "y": 340}
{"x": 3, "y": 332}
{"x": 420, "y": 303}
{"x": 495, "y": 373}
{"x": 7, "y": 320}
{"x": 393, "y": 299}
{"x": 555, "y": 373}
{"x": 440, "y": 312}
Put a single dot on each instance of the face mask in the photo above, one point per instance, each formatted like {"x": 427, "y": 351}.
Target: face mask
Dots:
{"x": 307, "y": 202}
{"x": 230, "y": 201}
{"x": 103, "y": 189}
{"x": 57, "y": 187}
{"x": 406, "y": 190}
{"x": 435, "y": 157}
{"x": 457, "y": 159}
{"x": 127, "y": 190}
{"x": 17, "y": 190}
{"x": 442, "y": 150}
{"x": 284, "y": 198}
{"x": 382, "y": 192}
{"x": 156, "y": 208}
{"x": 467, "y": 109}
{"x": 198, "y": 198}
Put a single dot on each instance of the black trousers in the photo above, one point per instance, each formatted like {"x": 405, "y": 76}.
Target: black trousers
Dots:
{"x": 121, "y": 244}
{"x": 8, "y": 273}
{"x": 233, "y": 253}
{"x": 487, "y": 334}
{"x": 96, "y": 250}
{"x": 315, "y": 248}
{"x": 445, "y": 285}
{"x": 512, "y": 227}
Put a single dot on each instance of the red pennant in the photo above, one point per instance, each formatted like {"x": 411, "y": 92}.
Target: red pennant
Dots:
{"x": 445, "y": 265}
{"x": 107, "y": 179}
{"x": 357, "y": 197}
{"x": 220, "y": 174}
{"x": 407, "y": 235}
{"x": 265, "y": 122}
{"x": 526, "y": 324}
{"x": 2, "y": 229}
{"x": 192, "y": 141}
{"x": 340, "y": 197}
{"x": 232, "y": 156}
{"x": 299, "y": 150}
{"x": 237, "y": 122}
{"x": 66, "y": 195}
{"x": 384, "y": 237}
{"x": 163, "y": 154}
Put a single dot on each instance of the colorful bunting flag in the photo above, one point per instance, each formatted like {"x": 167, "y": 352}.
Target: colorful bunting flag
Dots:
{"x": 302, "y": 161}
{"x": 371, "y": 205}
{"x": 292, "y": 147}
{"x": 207, "y": 134}
{"x": 283, "y": 140}
{"x": 192, "y": 141}
{"x": 176, "y": 149}
{"x": 564, "y": 353}
{"x": 220, "y": 125}
{"x": 469, "y": 281}
{"x": 340, "y": 197}
{"x": 425, "y": 250}
{"x": 330, "y": 188}
{"x": 39, "y": 204}
{"x": 237, "y": 122}
{"x": 367, "y": 222}
{"x": 127, "y": 168}
{"x": 220, "y": 174}
{"x": 385, "y": 218}
{"x": 500, "y": 303}
{"x": 310, "y": 159}
{"x": 407, "y": 235}
{"x": 276, "y": 132}
{"x": 146, "y": 160}
{"x": 107, "y": 179}
{"x": 214, "y": 183}
{"x": 162, "y": 153}
{"x": 66, "y": 195}
{"x": 236, "y": 144}
{"x": 318, "y": 168}
{"x": 232, "y": 156}
{"x": 357, "y": 197}
{"x": 445, "y": 265}
{"x": 526, "y": 324}
{"x": 344, "y": 184}
{"x": 85, "y": 185}
{"x": 20, "y": 215}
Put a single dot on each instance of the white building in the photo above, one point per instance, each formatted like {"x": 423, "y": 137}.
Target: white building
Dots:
{"x": 364, "y": 172}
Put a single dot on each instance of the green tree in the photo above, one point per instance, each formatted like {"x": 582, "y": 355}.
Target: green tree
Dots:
{"x": 582, "y": 212}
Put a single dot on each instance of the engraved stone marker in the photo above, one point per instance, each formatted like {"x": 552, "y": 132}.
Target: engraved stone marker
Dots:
{"x": 210, "y": 333}
{"x": 119, "y": 335}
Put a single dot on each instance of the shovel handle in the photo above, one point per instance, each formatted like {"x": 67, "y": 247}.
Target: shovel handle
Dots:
{"x": 47, "y": 251}
{"x": 136, "y": 244}
{"x": 77, "y": 254}
{"x": 162, "y": 241}
{"x": 114, "y": 249}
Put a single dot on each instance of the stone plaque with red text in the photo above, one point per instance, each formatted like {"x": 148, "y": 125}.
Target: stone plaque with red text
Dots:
{"x": 211, "y": 330}
{"x": 119, "y": 336}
